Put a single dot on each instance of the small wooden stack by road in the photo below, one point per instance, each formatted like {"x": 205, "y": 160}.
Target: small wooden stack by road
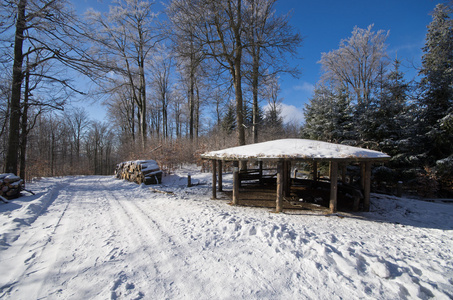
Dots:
{"x": 139, "y": 171}
{"x": 10, "y": 185}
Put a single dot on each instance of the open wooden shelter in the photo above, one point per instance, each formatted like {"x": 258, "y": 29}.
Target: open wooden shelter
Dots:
{"x": 286, "y": 151}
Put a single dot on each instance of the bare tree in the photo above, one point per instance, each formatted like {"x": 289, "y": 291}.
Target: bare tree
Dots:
{"x": 43, "y": 33}
{"x": 218, "y": 32}
{"x": 182, "y": 32}
{"x": 270, "y": 38}
{"x": 77, "y": 122}
{"x": 124, "y": 38}
{"x": 161, "y": 81}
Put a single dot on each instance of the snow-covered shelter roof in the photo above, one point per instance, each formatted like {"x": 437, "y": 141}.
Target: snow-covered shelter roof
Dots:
{"x": 296, "y": 149}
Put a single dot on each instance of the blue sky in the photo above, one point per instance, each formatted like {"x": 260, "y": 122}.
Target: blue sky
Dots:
{"x": 323, "y": 23}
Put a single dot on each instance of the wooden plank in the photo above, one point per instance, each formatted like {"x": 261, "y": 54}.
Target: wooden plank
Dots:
{"x": 214, "y": 179}
{"x": 367, "y": 187}
{"x": 279, "y": 200}
{"x": 333, "y": 186}
{"x": 236, "y": 183}
{"x": 220, "y": 187}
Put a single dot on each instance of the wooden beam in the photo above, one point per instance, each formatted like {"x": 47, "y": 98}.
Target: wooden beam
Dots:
{"x": 235, "y": 183}
{"x": 279, "y": 200}
{"x": 367, "y": 186}
{"x": 214, "y": 179}
{"x": 220, "y": 187}
{"x": 333, "y": 186}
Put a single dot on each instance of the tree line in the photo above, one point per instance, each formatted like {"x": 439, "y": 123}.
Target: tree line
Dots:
{"x": 364, "y": 100}
{"x": 186, "y": 76}
{"x": 168, "y": 74}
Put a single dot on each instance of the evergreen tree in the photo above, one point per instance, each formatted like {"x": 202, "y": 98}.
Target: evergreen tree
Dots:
{"x": 328, "y": 116}
{"x": 229, "y": 120}
{"x": 389, "y": 120}
{"x": 437, "y": 86}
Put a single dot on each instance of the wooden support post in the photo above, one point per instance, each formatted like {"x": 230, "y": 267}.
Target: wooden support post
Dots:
{"x": 260, "y": 170}
{"x": 287, "y": 179}
{"x": 315, "y": 171}
{"x": 220, "y": 187}
{"x": 367, "y": 187}
{"x": 235, "y": 183}
{"x": 333, "y": 186}
{"x": 279, "y": 200}
{"x": 214, "y": 179}
{"x": 362, "y": 175}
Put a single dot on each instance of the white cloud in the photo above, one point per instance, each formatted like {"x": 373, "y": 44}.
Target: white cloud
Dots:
{"x": 290, "y": 113}
{"x": 305, "y": 87}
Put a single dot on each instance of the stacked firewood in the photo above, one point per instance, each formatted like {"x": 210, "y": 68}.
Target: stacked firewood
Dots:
{"x": 10, "y": 185}
{"x": 139, "y": 171}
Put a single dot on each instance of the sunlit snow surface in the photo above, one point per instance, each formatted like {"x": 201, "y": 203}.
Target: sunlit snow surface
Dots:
{"x": 97, "y": 237}
{"x": 296, "y": 148}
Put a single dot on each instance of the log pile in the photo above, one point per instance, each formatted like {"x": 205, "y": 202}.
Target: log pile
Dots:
{"x": 10, "y": 185}
{"x": 139, "y": 171}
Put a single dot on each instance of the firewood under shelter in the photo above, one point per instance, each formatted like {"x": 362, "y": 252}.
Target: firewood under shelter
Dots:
{"x": 282, "y": 153}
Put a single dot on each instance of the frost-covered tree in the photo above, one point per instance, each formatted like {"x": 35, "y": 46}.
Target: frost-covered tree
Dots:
{"x": 355, "y": 66}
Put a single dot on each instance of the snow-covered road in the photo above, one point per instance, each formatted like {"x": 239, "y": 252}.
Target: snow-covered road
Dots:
{"x": 97, "y": 237}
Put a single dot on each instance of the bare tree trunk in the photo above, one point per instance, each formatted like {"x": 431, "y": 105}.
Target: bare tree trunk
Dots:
{"x": 14, "y": 121}
{"x": 143, "y": 105}
{"x": 239, "y": 102}
{"x": 191, "y": 100}
{"x": 255, "y": 83}
{"x": 197, "y": 116}
{"x": 24, "y": 124}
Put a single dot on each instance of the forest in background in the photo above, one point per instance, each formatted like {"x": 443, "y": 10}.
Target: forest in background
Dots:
{"x": 204, "y": 75}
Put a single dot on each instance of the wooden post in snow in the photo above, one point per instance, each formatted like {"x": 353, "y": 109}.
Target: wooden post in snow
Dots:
{"x": 333, "y": 186}
{"x": 279, "y": 200}
{"x": 214, "y": 179}
{"x": 220, "y": 176}
{"x": 367, "y": 186}
{"x": 235, "y": 183}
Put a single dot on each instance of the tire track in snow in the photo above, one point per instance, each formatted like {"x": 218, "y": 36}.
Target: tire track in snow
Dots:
{"x": 167, "y": 262}
{"x": 34, "y": 244}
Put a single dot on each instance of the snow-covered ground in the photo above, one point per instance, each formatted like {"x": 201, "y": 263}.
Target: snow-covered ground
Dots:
{"x": 96, "y": 237}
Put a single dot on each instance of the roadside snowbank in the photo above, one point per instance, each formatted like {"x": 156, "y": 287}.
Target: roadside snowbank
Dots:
{"x": 122, "y": 241}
